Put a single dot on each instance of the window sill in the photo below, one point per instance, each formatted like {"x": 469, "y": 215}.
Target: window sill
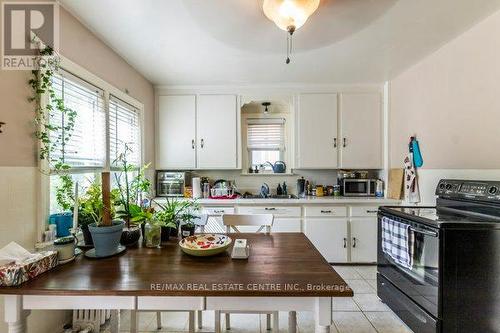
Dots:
{"x": 267, "y": 174}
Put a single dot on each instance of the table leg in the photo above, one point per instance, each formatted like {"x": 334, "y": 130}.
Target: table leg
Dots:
{"x": 199, "y": 316}
{"x": 292, "y": 322}
{"x": 15, "y": 315}
{"x": 323, "y": 314}
{"x": 217, "y": 321}
{"x": 191, "y": 322}
{"x": 134, "y": 322}
{"x": 276, "y": 321}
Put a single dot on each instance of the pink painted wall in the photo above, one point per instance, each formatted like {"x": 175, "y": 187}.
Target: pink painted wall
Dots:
{"x": 80, "y": 45}
{"x": 451, "y": 101}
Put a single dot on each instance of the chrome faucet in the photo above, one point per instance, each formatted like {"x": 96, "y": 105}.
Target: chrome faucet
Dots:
{"x": 264, "y": 190}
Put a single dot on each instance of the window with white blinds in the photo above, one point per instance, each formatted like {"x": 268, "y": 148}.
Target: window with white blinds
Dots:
{"x": 266, "y": 134}
{"x": 265, "y": 141}
{"x": 124, "y": 129}
{"x": 87, "y": 145}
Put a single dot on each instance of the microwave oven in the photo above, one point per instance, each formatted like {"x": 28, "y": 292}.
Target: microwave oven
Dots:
{"x": 172, "y": 183}
{"x": 355, "y": 187}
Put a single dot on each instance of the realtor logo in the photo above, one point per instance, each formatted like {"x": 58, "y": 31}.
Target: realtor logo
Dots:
{"x": 28, "y": 27}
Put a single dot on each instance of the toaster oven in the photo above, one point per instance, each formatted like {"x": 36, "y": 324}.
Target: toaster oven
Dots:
{"x": 172, "y": 183}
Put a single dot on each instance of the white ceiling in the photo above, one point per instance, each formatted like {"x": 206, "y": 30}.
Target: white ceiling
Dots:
{"x": 223, "y": 42}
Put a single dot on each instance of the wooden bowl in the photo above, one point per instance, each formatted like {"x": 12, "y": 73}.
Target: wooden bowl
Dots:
{"x": 204, "y": 245}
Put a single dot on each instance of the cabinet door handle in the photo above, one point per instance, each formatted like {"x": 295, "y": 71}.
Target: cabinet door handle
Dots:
{"x": 345, "y": 242}
{"x": 344, "y": 142}
{"x": 326, "y": 212}
{"x": 334, "y": 142}
{"x": 218, "y": 211}
{"x": 192, "y": 144}
{"x": 202, "y": 143}
{"x": 371, "y": 211}
{"x": 272, "y": 208}
{"x": 354, "y": 242}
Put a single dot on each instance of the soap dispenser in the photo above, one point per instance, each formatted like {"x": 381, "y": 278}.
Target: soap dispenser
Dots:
{"x": 284, "y": 188}
{"x": 279, "y": 190}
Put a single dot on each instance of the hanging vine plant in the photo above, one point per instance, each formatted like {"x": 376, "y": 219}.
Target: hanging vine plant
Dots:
{"x": 53, "y": 137}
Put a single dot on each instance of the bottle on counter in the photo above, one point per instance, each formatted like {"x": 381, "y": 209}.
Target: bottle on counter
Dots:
{"x": 301, "y": 187}
{"x": 285, "y": 189}
{"x": 279, "y": 190}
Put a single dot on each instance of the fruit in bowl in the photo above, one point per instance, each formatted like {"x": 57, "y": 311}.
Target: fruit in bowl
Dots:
{"x": 204, "y": 245}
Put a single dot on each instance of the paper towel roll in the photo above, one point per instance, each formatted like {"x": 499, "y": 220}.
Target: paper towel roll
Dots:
{"x": 196, "y": 187}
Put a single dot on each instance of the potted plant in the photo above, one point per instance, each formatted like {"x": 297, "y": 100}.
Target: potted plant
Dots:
{"x": 107, "y": 232}
{"x": 132, "y": 207}
{"x": 187, "y": 220}
{"x": 91, "y": 209}
{"x": 172, "y": 213}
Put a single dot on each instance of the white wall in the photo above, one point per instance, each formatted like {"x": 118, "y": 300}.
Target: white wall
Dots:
{"x": 451, "y": 101}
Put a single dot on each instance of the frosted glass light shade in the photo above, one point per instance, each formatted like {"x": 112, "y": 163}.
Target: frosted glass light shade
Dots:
{"x": 289, "y": 14}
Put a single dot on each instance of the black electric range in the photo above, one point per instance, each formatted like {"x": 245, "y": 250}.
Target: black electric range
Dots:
{"x": 453, "y": 281}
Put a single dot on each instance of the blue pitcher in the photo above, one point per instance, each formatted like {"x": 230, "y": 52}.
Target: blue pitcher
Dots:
{"x": 63, "y": 221}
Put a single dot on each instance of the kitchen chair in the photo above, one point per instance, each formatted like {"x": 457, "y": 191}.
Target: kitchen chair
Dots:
{"x": 134, "y": 320}
{"x": 232, "y": 222}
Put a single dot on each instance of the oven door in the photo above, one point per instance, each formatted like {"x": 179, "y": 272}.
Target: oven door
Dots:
{"x": 170, "y": 189}
{"x": 420, "y": 282}
{"x": 356, "y": 187}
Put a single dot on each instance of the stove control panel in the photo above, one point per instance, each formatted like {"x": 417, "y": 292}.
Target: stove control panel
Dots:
{"x": 469, "y": 189}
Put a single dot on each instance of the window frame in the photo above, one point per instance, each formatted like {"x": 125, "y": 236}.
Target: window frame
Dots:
{"x": 285, "y": 154}
{"x": 43, "y": 192}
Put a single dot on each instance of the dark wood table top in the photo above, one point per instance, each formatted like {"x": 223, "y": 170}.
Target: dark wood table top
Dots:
{"x": 280, "y": 264}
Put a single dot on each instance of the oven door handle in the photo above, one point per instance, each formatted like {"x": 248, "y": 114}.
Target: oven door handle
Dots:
{"x": 424, "y": 232}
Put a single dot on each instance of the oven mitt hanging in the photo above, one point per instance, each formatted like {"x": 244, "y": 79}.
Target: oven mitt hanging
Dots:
{"x": 417, "y": 155}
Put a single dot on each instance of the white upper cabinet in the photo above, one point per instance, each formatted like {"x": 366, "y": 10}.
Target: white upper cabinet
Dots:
{"x": 197, "y": 132}
{"x": 361, "y": 131}
{"x": 216, "y": 127}
{"x": 317, "y": 139}
{"x": 176, "y": 135}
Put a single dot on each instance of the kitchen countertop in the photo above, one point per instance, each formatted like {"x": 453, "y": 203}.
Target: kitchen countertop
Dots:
{"x": 302, "y": 201}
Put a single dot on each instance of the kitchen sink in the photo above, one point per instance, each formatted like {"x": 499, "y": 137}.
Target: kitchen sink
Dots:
{"x": 272, "y": 196}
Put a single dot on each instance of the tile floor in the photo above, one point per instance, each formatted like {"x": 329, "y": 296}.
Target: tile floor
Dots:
{"x": 364, "y": 313}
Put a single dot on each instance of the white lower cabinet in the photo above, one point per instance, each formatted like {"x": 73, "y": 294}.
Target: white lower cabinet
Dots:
{"x": 363, "y": 239}
{"x": 286, "y": 218}
{"x": 329, "y": 236}
{"x": 343, "y": 234}
{"x": 287, "y": 224}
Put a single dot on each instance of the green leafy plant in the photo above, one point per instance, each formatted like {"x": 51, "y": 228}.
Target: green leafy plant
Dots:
{"x": 51, "y": 136}
{"x": 176, "y": 211}
{"x": 91, "y": 206}
{"x": 131, "y": 189}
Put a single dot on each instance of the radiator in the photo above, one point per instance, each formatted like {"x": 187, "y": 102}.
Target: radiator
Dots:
{"x": 95, "y": 321}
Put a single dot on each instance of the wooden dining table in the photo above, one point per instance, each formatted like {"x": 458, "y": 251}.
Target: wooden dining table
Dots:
{"x": 284, "y": 272}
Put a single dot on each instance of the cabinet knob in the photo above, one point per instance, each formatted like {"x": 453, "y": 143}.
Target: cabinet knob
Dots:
{"x": 354, "y": 242}
{"x": 202, "y": 143}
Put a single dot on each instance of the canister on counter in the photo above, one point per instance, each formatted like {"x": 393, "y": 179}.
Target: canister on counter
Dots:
{"x": 319, "y": 190}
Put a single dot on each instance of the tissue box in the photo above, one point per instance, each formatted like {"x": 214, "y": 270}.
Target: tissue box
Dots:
{"x": 15, "y": 274}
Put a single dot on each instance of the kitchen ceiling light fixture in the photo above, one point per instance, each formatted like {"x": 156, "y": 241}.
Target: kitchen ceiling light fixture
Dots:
{"x": 289, "y": 15}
